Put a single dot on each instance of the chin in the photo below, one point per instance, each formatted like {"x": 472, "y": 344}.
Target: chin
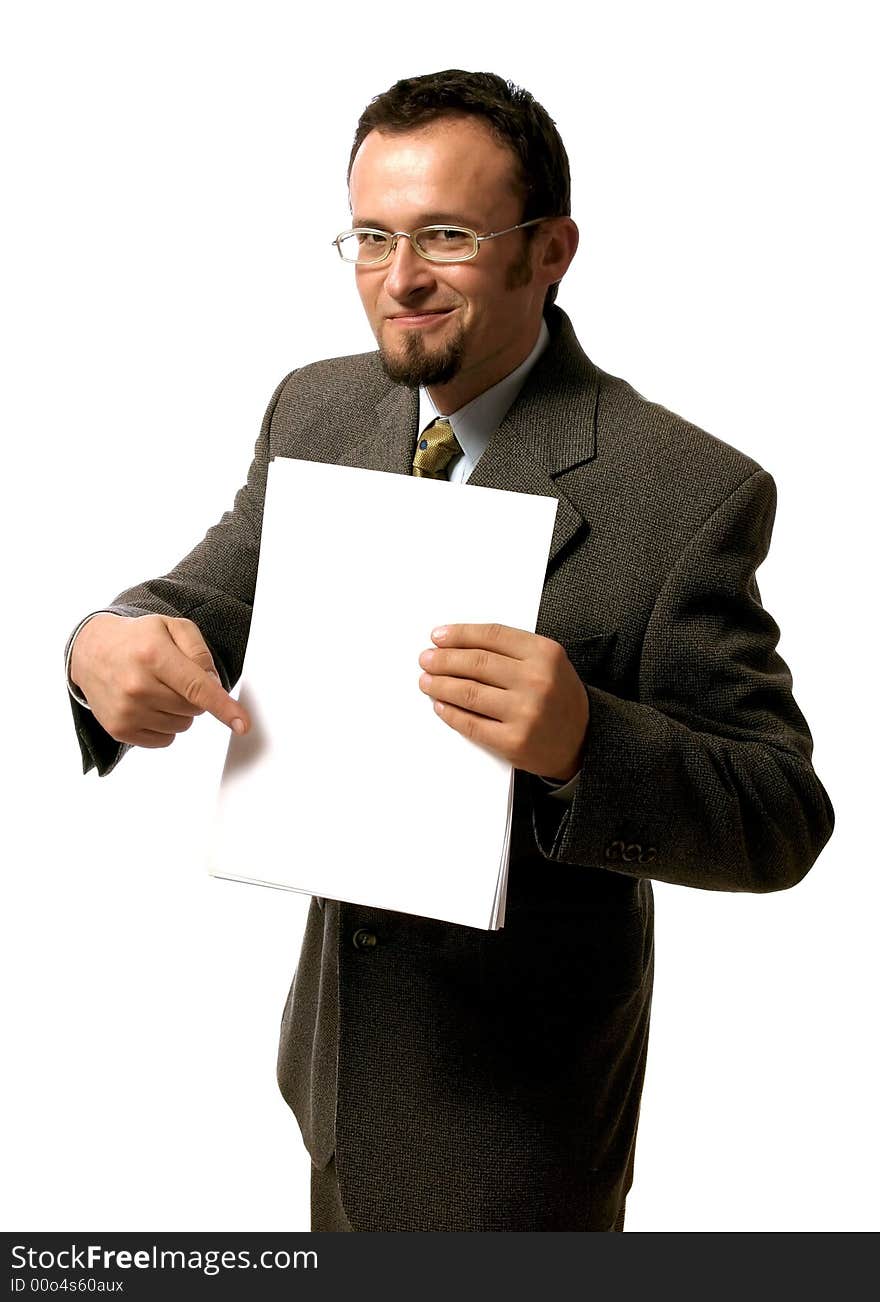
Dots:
{"x": 414, "y": 364}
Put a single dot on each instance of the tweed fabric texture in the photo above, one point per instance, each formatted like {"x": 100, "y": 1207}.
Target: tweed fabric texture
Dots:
{"x": 437, "y": 446}
{"x": 474, "y": 1080}
{"x": 328, "y": 1214}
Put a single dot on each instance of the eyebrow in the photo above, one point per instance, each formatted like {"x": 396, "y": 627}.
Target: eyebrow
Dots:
{"x": 426, "y": 219}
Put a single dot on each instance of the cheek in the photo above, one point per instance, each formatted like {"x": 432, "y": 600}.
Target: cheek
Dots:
{"x": 459, "y": 285}
{"x": 476, "y": 295}
{"x": 367, "y": 292}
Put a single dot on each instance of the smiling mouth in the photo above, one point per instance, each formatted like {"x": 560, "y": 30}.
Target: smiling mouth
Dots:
{"x": 419, "y": 318}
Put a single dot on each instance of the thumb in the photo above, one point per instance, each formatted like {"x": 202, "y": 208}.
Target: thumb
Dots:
{"x": 187, "y": 637}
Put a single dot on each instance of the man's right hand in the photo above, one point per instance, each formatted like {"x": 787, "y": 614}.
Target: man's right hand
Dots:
{"x": 146, "y": 679}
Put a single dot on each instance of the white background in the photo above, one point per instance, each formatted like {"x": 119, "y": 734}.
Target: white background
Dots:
{"x": 173, "y": 176}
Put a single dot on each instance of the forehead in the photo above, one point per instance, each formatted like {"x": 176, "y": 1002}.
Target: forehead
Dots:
{"x": 456, "y": 166}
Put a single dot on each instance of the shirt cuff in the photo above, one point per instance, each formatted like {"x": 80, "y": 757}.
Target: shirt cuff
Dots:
{"x": 562, "y": 790}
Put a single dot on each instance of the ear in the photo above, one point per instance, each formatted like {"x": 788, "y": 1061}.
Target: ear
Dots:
{"x": 558, "y": 247}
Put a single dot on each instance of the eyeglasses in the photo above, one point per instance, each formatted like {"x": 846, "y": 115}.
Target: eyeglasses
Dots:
{"x": 367, "y": 246}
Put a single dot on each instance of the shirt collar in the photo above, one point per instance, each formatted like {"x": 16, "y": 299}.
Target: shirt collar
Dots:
{"x": 475, "y": 422}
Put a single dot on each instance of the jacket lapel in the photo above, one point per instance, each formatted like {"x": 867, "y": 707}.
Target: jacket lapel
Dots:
{"x": 389, "y": 437}
{"x": 550, "y": 429}
{"x": 508, "y": 464}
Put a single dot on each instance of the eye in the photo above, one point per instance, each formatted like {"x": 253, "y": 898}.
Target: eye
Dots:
{"x": 445, "y": 241}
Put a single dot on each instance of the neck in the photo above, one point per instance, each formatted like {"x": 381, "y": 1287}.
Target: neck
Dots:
{"x": 471, "y": 381}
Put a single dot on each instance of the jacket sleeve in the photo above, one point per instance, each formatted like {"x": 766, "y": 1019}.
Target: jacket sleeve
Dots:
{"x": 213, "y": 586}
{"x": 706, "y": 778}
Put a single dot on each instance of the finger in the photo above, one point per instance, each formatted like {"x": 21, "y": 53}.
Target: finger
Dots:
{"x": 482, "y": 666}
{"x": 482, "y": 732}
{"x": 490, "y": 702}
{"x": 152, "y": 740}
{"x": 159, "y": 721}
{"x": 501, "y": 638}
{"x": 199, "y": 688}
{"x": 163, "y": 700}
{"x": 188, "y": 637}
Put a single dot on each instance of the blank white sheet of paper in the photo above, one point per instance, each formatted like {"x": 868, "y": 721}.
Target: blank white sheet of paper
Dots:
{"x": 349, "y": 786}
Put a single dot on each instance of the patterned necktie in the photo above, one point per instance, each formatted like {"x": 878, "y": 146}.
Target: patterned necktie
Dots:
{"x": 437, "y": 446}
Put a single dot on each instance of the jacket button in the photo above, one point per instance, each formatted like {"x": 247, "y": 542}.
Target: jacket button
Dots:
{"x": 363, "y": 939}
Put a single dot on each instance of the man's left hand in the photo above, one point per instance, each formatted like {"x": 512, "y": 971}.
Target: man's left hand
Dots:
{"x": 513, "y": 692}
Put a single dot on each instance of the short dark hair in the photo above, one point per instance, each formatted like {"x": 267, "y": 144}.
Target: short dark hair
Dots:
{"x": 515, "y": 117}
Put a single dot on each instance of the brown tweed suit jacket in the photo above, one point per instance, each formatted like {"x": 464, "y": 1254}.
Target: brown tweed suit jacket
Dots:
{"x": 473, "y": 1080}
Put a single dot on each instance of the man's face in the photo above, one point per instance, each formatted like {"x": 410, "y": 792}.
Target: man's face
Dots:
{"x": 456, "y": 327}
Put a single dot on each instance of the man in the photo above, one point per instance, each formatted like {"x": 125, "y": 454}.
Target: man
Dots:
{"x": 447, "y": 1078}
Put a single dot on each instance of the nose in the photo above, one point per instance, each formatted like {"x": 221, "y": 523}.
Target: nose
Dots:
{"x": 407, "y": 273}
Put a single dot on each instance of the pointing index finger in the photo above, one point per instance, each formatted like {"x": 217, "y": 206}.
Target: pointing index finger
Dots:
{"x": 201, "y": 689}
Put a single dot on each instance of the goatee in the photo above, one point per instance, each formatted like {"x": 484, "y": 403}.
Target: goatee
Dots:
{"x": 416, "y": 366}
